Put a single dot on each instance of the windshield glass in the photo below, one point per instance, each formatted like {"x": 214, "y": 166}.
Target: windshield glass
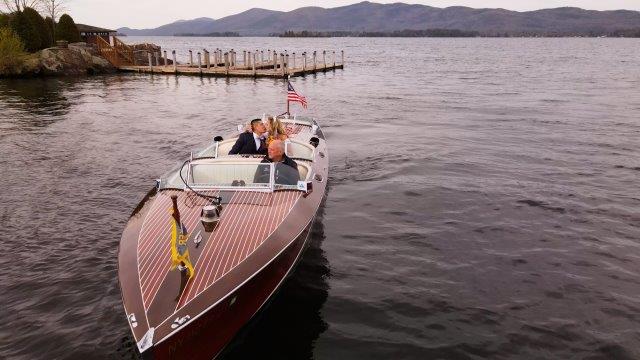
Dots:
{"x": 244, "y": 175}
{"x": 233, "y": 174}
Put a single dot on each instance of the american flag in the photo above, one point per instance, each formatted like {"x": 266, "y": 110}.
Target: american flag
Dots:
{"x": 292, "y": 96}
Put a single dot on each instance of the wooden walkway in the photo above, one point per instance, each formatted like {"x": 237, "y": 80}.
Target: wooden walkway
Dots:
{"x": 230, "y": 64}
{"x": 146, "y": 58}
{"x": 222, "y": 71}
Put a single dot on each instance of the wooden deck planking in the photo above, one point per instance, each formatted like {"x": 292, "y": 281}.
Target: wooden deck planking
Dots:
{"x": 218, "y": 71}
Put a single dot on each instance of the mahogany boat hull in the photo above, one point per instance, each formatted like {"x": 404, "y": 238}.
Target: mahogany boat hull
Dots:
{"x": 204, "y": 337}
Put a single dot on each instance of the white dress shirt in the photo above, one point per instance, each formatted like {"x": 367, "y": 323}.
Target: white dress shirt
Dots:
{"x": 256, "y": 138}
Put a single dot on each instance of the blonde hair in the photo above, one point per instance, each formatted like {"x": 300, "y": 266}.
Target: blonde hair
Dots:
{"x": 276, "y": 127}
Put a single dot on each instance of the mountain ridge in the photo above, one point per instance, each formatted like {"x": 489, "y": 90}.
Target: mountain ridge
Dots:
{"x": 375, "y": 17}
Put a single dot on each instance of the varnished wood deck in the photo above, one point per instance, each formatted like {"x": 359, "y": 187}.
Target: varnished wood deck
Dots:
{"x": 244, "y": 224}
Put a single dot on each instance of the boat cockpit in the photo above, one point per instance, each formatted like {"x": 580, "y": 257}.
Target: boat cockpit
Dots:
{"x": 299, "y": 147}
{"x": 214, "y": 169}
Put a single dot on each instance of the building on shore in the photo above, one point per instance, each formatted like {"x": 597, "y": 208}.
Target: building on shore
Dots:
{"x": 89, "y": 34}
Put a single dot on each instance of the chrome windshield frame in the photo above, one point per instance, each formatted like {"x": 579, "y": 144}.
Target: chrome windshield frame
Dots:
{"x": 173, "y": 177}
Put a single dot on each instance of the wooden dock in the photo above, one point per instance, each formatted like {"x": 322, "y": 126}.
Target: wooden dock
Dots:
{"x": 265, "y": 70}
{"x": 220, "y": 63}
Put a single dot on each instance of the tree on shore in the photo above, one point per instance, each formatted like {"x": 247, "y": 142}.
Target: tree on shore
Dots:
{"x": 21, "y": 26}
{"x": 11, "y": 50}
{"x": 4, "y": 20}
{"x": 51, "y": 26}
{"x": 43, "y": 34}
{"x": 67, "y": 29}
{"x": 52, "y": 9}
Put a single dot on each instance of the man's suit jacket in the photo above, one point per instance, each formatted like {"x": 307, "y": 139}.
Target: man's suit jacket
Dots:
{"x": 246, "y": 144}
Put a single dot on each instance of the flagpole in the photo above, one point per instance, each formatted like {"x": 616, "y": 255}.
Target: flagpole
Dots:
{"x": 288, "y": 113}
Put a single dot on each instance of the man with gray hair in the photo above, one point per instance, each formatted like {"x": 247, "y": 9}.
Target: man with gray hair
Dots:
{"x": 286, "y": 170}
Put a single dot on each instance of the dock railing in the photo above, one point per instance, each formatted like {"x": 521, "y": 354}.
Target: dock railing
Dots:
{"x": 125, "y": 50}
{"x": 108, "y": 52}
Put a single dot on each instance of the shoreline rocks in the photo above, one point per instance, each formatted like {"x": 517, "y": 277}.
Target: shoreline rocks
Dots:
{"x": 76, "y": 60}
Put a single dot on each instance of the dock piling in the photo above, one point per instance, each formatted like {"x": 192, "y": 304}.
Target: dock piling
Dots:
{"x": 255, "y": 55}
{"x": 304, "y": 61}
{"x": 190, "y": 58}
{"x": 226, "y": 63}
{"x": 200, "y": 62}
{"x": 294, "y": 62}
{"x": 165, "y": 58}
{"x": 286, "y": 64}
{"x": 157, "y": 55}
{"x": 324, "y": 60}
{"x": 150, "y": 62}
{"x": 207, "y": 59}
{"x": 333, "y": 57}
{"x": 314, "y": 61}
{"x": 275, "y": 61}
{"x": 342, "y": 54}
{"x": 175, "y": 63}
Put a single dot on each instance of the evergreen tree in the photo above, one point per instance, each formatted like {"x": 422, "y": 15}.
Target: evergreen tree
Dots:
{"x": 67, "y": 29}
{"x": 40, "y": 28}
{"x": 22, "y": 27}
{"x": 4, "y": 20}
{"x": 50, "y": 25}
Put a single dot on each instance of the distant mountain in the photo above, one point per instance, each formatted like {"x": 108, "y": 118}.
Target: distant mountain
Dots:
{"x": 368, "y": 16}
{"x": 201, "y": 25}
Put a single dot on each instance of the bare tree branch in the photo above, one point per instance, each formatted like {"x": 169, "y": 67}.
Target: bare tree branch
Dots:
{"x": 34, "y": 4}
{"x": 52, "y": 8}
{"x": 9, "y": 6}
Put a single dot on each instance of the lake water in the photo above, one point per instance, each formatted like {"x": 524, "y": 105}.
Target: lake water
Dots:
{"x": 484, "y": 200}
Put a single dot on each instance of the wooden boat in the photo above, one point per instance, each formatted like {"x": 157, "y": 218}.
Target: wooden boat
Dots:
{"x": 241, "y": 251}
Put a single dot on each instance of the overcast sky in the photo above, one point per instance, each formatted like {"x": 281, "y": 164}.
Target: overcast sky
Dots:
{"x": 152, "y": 13}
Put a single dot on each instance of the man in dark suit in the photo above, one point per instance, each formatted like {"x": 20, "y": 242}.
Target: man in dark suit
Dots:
{"x": 251, "y": 142}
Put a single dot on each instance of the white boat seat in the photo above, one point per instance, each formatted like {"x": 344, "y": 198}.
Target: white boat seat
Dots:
{"x": 225, "y": 146}
{"x": 227, "y": 174}
{"x": 300, "y": 150}
{"x": 295, "y": 149}
{"x": 303, "y": 170}
{"x": 223, "y": 174}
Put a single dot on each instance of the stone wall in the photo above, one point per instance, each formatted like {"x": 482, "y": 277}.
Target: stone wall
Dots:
{"x": 141, "y": 53}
